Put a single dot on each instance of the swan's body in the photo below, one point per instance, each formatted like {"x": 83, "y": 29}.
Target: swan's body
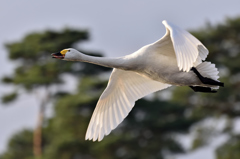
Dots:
{"x": 154, "y": 67}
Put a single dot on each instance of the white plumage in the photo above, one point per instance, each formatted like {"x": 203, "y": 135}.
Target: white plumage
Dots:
{"x": 152, "y": 68}
{"x": 118, "y": 99}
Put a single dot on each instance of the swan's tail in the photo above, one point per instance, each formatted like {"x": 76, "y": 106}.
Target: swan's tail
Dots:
{"x": 207, "y": 69}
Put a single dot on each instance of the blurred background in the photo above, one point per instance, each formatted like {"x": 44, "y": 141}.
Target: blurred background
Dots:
{"x": 46, "y": 104}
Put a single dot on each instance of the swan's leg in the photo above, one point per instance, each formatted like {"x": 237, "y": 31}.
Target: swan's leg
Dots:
{"x": 206, "y": 80}
{"x": 202, "y": 89}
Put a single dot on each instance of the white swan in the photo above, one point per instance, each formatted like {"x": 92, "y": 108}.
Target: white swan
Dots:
{"x": 175, "y": 59}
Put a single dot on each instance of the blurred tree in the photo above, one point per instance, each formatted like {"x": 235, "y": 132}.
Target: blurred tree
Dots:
{"x": 37, "y": 70}
{"x": 20, "y": 146}
{"x": 230, "y": 149}
{"x": 151, "y": 128}
{"x": 223, "y": 42}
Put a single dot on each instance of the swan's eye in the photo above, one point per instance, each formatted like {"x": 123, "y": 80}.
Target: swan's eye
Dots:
{"x": 68, "y": 50}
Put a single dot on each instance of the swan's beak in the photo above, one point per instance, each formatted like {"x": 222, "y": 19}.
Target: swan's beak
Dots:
{"x": 57, "y": 55}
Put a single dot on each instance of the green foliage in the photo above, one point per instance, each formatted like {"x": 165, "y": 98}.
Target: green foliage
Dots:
{"x": 9, "y": 97}
{"x": 37, "y": 75}
{"x": 229, "y": 150}
{"x": 38, "y": 45}
{"x": 37, "y": 68}
{"x": 223, "y": 42}
{"x": 138, "y": 131}
{"x": 202, "y": 136}
{"x": 7, "y": 80}
{"x": 20, "y": 146}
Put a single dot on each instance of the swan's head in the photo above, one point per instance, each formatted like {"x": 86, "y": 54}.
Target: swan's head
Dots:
{"x": 68, "y": 54}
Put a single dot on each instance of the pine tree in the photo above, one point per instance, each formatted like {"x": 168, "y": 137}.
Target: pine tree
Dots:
{"x": 150, "y": 129}
{"x": 36, "y": 69}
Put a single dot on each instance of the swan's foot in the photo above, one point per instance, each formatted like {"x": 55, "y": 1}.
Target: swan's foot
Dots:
{"x": 206, "y": 80}
{"x": 202, "y": 89}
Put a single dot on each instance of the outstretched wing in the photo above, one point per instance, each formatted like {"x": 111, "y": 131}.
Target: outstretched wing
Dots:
{"x": 117, "y": 100}
{"x": 188, "y": 49}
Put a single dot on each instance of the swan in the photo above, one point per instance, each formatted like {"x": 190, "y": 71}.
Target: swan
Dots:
{"x": 176, "y": 59}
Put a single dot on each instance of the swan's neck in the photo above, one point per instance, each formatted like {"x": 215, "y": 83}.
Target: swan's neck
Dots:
{"x": 119, "y": 62}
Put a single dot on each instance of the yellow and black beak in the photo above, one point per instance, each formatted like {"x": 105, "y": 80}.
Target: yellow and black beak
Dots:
{"x": 58, "y": 55}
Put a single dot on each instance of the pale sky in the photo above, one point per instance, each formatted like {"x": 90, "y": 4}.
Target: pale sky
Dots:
{"x": 116, "y": 27}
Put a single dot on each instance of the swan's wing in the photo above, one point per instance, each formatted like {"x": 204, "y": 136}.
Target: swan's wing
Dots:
{"x": 117, "y": 100}
{"x": 188, "y": 49}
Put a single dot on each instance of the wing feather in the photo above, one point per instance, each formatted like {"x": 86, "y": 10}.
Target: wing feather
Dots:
{"x": 187, "y": 48}
{"x": 117, "y": 100}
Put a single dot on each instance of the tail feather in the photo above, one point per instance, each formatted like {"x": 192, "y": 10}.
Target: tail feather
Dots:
{"x": 207, "y": 69}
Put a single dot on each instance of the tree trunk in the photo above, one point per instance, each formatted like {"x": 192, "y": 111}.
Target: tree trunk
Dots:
{"x": 37, "y": 136}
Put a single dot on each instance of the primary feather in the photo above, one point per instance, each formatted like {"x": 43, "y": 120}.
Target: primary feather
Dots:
{"x": 117, "y": 100}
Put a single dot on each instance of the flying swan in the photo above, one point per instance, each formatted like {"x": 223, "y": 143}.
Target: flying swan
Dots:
{"x": 175, "y": 59}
